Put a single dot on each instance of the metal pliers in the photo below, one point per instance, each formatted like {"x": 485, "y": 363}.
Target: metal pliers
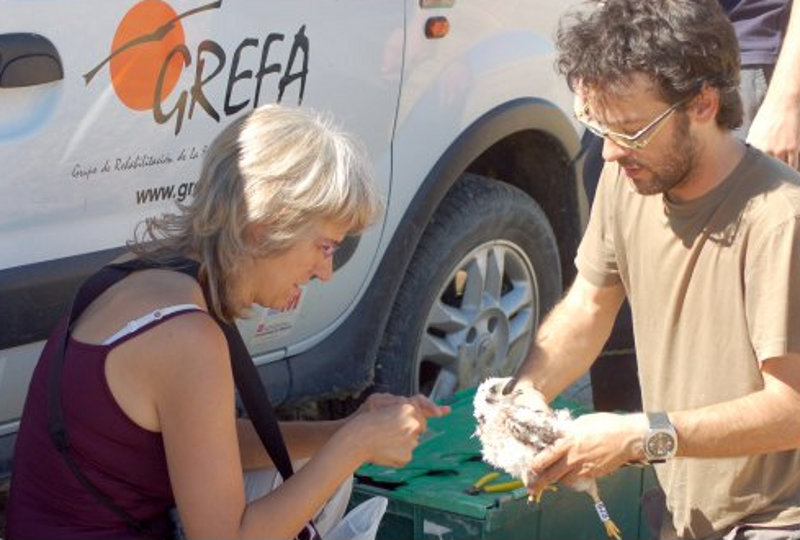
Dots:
{"x": 484, "y": 485}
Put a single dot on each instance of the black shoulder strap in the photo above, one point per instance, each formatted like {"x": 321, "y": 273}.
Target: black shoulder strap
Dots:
{"x": 245, "y": 374}
{"x": 248, "y": 382}
{"x": 90, "y": 290}
{"x": 259, "y": 409}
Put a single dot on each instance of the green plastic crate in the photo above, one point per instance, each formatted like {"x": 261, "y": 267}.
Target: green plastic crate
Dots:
{"x": 428, "y": 499}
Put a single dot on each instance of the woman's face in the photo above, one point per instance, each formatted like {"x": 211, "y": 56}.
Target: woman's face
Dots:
{"x": 275, "y": 281}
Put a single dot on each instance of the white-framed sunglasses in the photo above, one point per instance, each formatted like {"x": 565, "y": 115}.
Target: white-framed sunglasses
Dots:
{"x": 638, "y": 140}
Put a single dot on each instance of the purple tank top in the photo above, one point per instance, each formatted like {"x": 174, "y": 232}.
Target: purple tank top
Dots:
{"x": 125, "y": 461}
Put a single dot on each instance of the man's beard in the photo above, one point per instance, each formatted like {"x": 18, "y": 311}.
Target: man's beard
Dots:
{"x": 676, "y": 166}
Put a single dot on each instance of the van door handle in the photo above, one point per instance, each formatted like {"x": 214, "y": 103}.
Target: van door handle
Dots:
{"x": 27, "y": 60}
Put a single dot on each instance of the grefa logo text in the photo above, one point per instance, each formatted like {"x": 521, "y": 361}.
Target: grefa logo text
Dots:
{"x": 149, "y": 54}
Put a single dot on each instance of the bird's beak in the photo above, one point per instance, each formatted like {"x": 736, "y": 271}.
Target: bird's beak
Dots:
{"x": 509, "y": 387}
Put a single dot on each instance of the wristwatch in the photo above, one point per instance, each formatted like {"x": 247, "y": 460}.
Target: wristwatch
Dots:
{"x": 661, "y": 439}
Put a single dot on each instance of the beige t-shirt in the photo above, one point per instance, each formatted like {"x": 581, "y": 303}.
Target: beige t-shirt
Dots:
{"x": 714, "y": 287}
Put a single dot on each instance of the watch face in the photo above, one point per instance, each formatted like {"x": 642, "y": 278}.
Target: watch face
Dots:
{"x": 660, "y": 445}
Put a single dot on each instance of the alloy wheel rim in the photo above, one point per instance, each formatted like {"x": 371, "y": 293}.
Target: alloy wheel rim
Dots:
{"x": 481, "y": 322}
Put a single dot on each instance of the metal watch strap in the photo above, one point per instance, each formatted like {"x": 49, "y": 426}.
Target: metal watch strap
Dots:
{"x": 659, "y": 420}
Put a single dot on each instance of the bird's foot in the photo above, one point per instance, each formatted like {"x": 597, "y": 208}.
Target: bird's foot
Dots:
{"x": 537, "y": 497}
{"x": 612, "y": 530}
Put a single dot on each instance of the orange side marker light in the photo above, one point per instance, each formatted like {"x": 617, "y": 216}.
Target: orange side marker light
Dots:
{"x": 436, "y": 27}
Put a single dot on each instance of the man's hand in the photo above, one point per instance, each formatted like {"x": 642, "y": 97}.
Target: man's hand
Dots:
{"x": 776, "y": 129}
{"x": 596, "y": 445}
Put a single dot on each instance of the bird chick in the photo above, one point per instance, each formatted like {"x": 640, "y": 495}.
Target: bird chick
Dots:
{"x": 513, "y": 429}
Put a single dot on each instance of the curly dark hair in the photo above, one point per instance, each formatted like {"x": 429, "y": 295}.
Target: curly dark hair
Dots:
{"x": 681, "y": 44}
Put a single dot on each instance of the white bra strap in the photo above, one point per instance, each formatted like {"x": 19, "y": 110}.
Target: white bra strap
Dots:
{"x": 135, "y": 324}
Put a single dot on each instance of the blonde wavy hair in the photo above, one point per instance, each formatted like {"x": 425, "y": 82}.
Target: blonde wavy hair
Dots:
{"x": 280, "y": 167}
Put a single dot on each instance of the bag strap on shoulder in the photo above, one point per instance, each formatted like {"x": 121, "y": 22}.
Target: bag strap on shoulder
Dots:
{"x": 57, "y": 428}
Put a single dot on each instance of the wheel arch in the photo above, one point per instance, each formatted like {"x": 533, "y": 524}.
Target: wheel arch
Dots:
{"x": 536, "y": 162}
{"x": 528, "y": 143}
{"x": 538, "y": 143}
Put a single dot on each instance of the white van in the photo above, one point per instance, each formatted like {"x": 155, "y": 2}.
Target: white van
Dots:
{"x": 107, "y": 107}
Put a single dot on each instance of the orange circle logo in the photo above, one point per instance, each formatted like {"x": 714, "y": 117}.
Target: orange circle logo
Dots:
{"x": 144, "y": 39}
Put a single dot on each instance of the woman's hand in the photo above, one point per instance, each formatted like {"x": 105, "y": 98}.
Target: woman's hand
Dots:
{"x": 387, "y": 427}
{"x": 425, "y": 405}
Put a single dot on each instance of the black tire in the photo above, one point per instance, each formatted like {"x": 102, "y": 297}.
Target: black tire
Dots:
{"x": 453, "y": 324}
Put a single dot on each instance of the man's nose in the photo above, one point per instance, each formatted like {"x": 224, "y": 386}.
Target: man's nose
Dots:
{"x": 614, "y": 152}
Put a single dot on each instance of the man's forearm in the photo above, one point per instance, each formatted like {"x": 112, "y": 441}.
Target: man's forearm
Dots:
{"x": 765, "y": 421}
{"x": 571, "y": 337}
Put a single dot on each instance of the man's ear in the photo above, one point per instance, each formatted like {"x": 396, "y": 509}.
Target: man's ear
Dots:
{"x": 704, "y": 106}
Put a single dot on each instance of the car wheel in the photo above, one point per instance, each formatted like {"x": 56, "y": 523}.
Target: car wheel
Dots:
{"x": 485, "y": 270}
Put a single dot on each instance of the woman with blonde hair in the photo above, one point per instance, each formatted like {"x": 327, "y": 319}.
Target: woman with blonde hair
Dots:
{"x": 144, "y": 414}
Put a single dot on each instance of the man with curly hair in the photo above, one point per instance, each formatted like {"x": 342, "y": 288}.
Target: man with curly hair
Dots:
{"x": 701, "y": 233}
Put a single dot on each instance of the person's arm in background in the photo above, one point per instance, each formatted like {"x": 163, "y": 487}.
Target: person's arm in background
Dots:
{"x": 776, "y": 126}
